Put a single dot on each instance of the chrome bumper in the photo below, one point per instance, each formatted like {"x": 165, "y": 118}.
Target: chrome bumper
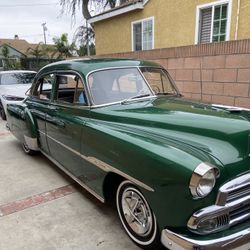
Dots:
{"x": 239, "y": 241}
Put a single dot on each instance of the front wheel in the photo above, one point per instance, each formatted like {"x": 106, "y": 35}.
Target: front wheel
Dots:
{"x": 137, "y": 217}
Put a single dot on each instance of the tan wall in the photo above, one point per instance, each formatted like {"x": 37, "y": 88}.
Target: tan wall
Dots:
{"x": 217, "y": 73}
{"x": 174, "y": 25}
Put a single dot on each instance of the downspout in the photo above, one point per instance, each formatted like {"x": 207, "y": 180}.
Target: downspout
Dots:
{"x": 237, "y": 21}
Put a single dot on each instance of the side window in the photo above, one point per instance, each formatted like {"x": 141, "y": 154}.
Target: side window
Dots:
{"x": 43, "y": 87}
{"x": 158, "y": 80}
{"x": 70, "y": 89}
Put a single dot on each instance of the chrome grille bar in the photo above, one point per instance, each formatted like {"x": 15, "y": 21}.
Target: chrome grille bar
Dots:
{"x": 234, "y": 189}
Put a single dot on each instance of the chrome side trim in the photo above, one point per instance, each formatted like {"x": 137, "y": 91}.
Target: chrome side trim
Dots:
{"x": 174, "y": 241}
{"x": 73, "y": 177}
{"x": 230, "y": 108}
{"x": 104, "y": 166}
{"x": 41, "y": 132}
{"x": 31, "y": 143}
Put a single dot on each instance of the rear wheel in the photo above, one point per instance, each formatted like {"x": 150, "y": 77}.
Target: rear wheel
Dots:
{"x": 27, "y": 150}
{"x": 137, "y": 217}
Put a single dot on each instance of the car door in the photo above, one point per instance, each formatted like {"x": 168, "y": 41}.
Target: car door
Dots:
{"x": 38, "y": 104}
{"x": 67, "y": 114}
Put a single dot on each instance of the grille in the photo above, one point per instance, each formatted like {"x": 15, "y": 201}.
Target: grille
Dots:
{"x": 235, "y": 196}
{"x": 238, "y": 193}
{"x": 222, "y": 220}
{"x": 234, "y": 190}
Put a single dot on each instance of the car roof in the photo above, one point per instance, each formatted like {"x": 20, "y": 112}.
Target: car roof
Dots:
{"x": 85, "y": 66}
{"x": 16, "y": 71}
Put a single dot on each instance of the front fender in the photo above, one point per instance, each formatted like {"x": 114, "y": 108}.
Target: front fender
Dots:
{"x": 161, "y": 164}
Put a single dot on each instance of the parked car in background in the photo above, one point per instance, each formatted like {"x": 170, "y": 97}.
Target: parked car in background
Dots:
{"x": 13, "y": 86}
{"x": 178, "y": 170}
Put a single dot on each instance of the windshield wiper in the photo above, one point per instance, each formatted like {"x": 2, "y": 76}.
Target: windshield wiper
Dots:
{"x": 134, "y": 97}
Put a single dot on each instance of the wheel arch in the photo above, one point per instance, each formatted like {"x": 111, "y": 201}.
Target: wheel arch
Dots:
{"x": 110, "y": 186}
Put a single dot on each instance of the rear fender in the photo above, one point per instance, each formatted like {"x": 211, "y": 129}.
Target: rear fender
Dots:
{"x": 22, "y": 124}
{"x": 30, "y": 135}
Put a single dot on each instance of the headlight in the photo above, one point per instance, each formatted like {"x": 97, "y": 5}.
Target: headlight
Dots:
{"x": 12, "y": 98}
{"x": 203, "y": 180}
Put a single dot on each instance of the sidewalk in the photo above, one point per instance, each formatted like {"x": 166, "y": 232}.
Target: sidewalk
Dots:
{"x": 41, "y": 208}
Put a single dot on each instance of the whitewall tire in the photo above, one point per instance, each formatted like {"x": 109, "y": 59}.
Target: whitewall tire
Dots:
{"x": 136, "y": 216}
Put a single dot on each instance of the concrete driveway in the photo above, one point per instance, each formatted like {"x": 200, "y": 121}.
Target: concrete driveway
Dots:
{"x": 41, "y": 208}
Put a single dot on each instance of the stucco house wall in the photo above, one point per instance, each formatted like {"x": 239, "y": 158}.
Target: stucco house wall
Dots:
{"x": 174, "y": 24}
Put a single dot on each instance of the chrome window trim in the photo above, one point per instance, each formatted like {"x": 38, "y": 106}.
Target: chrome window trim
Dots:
{"x": 51, "y": 100}
{"x": 103, "y": 165}
{"x": 36, "y": 79}
{"x": 84, "y": 84}
{"x": 165, "y": 72}
{"x": 112, "y": 68}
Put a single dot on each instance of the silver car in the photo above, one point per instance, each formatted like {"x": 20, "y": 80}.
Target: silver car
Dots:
{"x": 13, "y": 86}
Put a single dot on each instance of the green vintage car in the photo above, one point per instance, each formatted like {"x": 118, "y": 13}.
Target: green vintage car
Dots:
{"x": 178, "y": 170}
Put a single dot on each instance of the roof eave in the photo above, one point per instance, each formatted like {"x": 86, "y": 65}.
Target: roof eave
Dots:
{"x": 132, "y": 7}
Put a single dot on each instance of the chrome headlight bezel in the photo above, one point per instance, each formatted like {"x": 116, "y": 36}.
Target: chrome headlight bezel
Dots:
{"x": 203, "y": 172}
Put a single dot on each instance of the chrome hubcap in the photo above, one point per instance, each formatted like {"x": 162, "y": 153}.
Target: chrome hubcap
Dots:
{"x": 137, "y": 212}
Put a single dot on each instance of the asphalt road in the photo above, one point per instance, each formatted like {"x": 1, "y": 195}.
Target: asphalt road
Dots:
{"x": 41, "y": 208}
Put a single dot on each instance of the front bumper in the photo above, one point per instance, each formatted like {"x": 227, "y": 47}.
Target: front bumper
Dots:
{"x": 239, "y": 240}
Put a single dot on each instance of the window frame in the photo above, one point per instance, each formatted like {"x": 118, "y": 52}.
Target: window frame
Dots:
{"x": 36, "y": 85}
{"x": 213, "y": 5}
{"x": 74, "y": 104}
{"x": 153, "y": 32}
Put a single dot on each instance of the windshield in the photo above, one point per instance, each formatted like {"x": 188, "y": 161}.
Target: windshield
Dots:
{"x": 17, "y": 78}
{"x": 114, "y": 85}
{"x": 159, "y": 81}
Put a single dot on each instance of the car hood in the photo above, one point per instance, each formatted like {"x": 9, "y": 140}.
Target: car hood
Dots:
{"x": 220, "y": 133}
{"x": 15, "y": 90}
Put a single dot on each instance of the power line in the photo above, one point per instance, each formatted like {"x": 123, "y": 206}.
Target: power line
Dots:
{"x": 26, "y": 5}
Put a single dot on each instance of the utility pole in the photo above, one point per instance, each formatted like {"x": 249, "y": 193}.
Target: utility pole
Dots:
{"x": 44, "y": 30}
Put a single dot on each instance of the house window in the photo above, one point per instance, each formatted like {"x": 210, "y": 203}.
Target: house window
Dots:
{"x": 213, "y": 22}
{"x": 143, "y": 34}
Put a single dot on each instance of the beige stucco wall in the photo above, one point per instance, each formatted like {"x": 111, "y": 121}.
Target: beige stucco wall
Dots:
{"x": 174, "y": 25}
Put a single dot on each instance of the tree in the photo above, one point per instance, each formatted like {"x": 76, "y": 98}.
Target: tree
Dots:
{"x": 83, "y": 50}
{"x": 9, "y": 62}
{"x": 62, "y": 46}
{"x": 38, "y": 52}
{"x": 72, "y": 5}
{"x": 85, "y": 37}
{"x": 86, "y": 32}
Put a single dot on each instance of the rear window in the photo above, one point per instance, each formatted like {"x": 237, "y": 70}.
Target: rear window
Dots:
{"x": 17, "y": 78}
